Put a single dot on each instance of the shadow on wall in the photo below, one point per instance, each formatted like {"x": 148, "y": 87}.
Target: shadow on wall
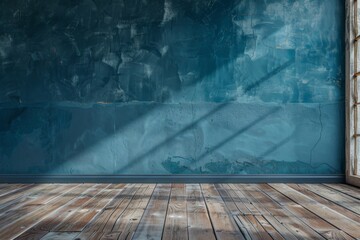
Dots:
{"x": 133, "y": 87}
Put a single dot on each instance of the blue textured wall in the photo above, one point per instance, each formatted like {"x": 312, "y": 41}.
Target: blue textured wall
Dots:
{"x": 172, "y": 86}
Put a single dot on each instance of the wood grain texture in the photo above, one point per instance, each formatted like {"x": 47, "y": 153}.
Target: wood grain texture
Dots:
{"x": 347, "y": 189}
{"x": 105, "y": 220}
{"x": 152, "y": 223}
{"x": 199, "y": 225}
{"x": 223, "y": 223}
{"x": 179, "y": 211}
{"x": 321, "y": 226}
{"x": 323, "y": 211}
{"x": 290, "y": 227}
{"x": 176, "y": 217}
{"x": 344, "y": 200}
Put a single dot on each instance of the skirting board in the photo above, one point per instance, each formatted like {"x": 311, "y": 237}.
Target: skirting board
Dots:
{"x": 10, "y": 178}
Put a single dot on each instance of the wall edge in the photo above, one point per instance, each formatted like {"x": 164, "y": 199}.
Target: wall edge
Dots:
{"x": 9, "y": 178}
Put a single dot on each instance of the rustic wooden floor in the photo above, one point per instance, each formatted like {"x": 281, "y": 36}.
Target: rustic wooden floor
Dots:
{"x": 179, "y": 211}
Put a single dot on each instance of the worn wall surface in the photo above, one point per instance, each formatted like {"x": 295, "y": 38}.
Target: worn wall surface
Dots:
{"x": 172, "y": 87}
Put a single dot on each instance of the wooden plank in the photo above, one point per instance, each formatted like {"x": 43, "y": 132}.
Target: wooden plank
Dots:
{"x": 244, "y": 206}
{"x": 60, "y": 236}
{"x": 244, "y": 229}
{"x": 16, "y": 192}
{"x": 253, "y": 228}
{"x": 72, "y": 209}
{"x": 19, "y": 194}
{"x": 264, "y": 217}
{"x": 37, "y": 199}
{"x": 50, "y": 222}
{"x": 288, "y": 220}
{"x": 5, "y": 185}
{"x": 319, "y": 225}
{"x": 6, "y": 189}
{"x": 176, "y": 217}
{"x": 128, "y": 230}
{"x": 105, "y": 221}
{"x": 333, "y": 217}
{"x": 152, "y": 222}
{"x": 224, "y": 225}
{"x": 32, "y": 235}
{"x": 199, "y": 225}
{"x": 138, "y": 190}
{"x": 231, "y": 207}
{"x": 28, "y": 196}
{"x": 260, "y": 233}
{"x": 118, "y": 222}
{"x": 241, "y": 197}
{"x": 299, "y": 187}
{"x": 127, "y": 222}
{"x": 26, "y": 221}
{"x": 347, "y": 189}
{"x": 341, "y": 199}
{"x": 81, "y": 217}
{"x": 269, "y": 228}
{"x": 108, "y": 231}
{"x": 241, "y": 200}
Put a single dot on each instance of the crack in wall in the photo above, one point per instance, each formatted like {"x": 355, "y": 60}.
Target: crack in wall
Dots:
{"x": 320, "y": 135}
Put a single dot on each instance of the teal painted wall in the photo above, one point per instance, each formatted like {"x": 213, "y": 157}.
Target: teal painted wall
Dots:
{"x": 172, "y": 87}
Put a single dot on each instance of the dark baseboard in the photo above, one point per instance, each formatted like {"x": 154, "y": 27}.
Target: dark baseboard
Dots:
{"x": 15, "y": 178}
